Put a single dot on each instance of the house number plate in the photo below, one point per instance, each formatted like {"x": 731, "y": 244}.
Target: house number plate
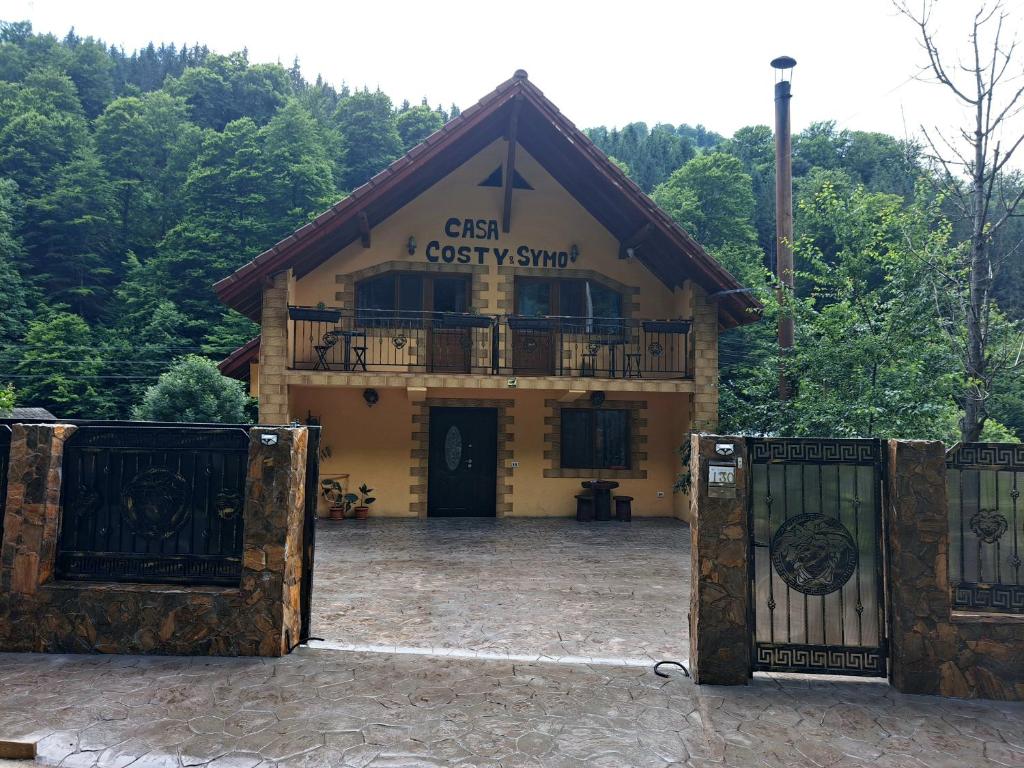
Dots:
{"x": 722, "y": 481}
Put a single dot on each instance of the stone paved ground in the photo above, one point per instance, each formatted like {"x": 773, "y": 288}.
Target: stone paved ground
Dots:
{"x": 532, "y": 588}
{"x": 332, "y": 708}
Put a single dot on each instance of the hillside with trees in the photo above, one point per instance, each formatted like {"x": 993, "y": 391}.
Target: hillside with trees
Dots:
{"x": 130, "y": 182}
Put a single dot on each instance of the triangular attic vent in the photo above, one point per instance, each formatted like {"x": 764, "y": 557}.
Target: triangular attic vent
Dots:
{"x": 496, "y": 180}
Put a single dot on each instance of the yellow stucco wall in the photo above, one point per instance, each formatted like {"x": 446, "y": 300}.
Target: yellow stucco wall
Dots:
{"x": 545, "y": 218}
{"x": 375, "y": 446}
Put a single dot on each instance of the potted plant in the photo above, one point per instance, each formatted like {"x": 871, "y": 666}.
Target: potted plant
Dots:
{"x": 339, "y": 502}
{"x": 362, "y": 510}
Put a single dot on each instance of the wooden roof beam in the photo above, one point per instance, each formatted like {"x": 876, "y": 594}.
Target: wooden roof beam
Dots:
{"x": 510, "y": 163}
{"x": 631, "y": 242}
{"x": 364, "y": 229}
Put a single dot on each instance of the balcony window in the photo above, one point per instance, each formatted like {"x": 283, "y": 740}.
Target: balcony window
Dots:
{"x": 401, "y": 299}
{"x": 595, "y": 439}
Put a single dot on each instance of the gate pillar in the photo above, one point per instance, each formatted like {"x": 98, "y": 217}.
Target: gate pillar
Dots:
{"x": 924, "y": 642}
{"x": 720, "y": 579}
{"x": 31, "y": 523}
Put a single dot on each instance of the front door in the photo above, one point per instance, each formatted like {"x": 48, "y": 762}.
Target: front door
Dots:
{"x": 463, "y": 462}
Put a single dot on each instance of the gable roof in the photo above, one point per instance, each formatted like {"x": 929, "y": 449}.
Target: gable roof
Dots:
{"x": 564, "y": 151}
{"x": 236, "y": 365}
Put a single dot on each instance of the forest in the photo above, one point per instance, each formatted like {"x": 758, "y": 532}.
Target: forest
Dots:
{"x": 130, "y": 182}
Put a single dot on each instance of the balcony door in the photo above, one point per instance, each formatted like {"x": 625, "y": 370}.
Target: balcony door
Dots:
{"x": 552, "y": 312}
{"x": 432, "y": 307}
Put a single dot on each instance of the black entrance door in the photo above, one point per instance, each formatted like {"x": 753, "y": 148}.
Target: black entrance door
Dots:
{"x": 463, "y": 462}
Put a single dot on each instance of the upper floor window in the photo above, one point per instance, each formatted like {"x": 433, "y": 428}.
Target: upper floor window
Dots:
{"x": 537, "y": 297}
{"x": 406, "y": 296}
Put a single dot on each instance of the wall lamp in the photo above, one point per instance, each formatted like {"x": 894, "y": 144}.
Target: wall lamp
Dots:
{"x": 411, "y": 245}
{"x": 574, "y": 252}
{"x": 597, "y": 398}
{"x": 371, "y": 396}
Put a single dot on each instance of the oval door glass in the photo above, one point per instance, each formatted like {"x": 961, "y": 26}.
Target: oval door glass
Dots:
{"x": 453, "y": 448}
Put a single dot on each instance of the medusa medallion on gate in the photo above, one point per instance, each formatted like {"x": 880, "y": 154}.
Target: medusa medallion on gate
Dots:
{"x": 814, "y": 554}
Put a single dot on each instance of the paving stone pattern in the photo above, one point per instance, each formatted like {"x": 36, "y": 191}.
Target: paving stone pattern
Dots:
{"x": 330, "y": 708}
{"x": 534, "y": 588}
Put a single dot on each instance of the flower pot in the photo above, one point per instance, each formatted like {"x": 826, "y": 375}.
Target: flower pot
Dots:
{"x": 336, "y": 513}
{"x": 362, "y": 513}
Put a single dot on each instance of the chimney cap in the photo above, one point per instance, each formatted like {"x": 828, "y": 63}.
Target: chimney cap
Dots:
{"x": 783, "y": 62}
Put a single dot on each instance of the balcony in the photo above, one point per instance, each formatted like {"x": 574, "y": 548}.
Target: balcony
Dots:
{"x": 388, "y": 341}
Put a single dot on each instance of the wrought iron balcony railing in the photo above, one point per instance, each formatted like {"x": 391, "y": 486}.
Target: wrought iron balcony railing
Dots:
{"x": 445, "y": 342}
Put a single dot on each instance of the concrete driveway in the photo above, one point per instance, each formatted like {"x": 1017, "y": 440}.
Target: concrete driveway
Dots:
{"x": 511, "y": 588}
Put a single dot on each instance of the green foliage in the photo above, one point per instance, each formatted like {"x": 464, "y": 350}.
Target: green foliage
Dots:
{"x": 650, "y": 154}
{"x": 6, "y": 398}
{"x": 416, "y": 123}
{"x": 60, "y": 368}
{"x": 194, "y": 390}
{"x": 371, "y": 140}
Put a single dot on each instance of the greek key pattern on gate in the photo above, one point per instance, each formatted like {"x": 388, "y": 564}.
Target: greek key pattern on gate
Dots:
{"x": 1001, "y": 456}
{"x": 1003, "y": 598}
{"x": 820, "y": 659}
{"x": 864, "y": 452}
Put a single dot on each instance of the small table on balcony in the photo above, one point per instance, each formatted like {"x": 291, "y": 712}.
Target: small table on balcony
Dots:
{"x": 330, "y": 339}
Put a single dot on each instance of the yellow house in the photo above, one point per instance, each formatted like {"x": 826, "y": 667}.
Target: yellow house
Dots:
{"x": 494, "y": 319}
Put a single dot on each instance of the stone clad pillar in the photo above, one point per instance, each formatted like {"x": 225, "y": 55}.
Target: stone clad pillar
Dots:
{"x": 272, "y": 549}
{"x": 720, "y": 580}
{"x": 28, "y": 546}
{"x": 704, "y": 337}
{"x": 273, "y": 390}
{"x": 924, "y": 642}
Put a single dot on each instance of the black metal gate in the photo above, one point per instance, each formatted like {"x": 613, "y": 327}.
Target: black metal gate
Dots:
{"x": 309, "y": 532}
{"x": 145, "y": 503}
{"x": 816, "y": 556}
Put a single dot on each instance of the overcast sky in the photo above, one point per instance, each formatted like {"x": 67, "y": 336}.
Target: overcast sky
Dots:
{"x": 601, "y": 63}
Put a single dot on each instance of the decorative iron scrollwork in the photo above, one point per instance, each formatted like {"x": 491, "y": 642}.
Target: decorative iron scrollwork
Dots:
{"x": 529, "y": 344}
{"x": 988, "y": 525}
{"x": 87, "y": 501}
{"x": 814, "y": 554}
{"x": 656, "y": 349}
{"x": 399, "y": 341}
{"x": 229, "y": 504}
{"x": 154, "y": 503}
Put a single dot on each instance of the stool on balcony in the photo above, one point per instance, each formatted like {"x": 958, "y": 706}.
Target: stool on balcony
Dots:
{"x": 624, "y": 508}
{"x": 584, "y": 507}
{"x": 631, "y": 366}
{"x": 360, "y": 357}
{"x": 321, "y": 357}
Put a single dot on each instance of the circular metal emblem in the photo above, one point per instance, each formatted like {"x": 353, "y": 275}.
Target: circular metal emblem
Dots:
{"x": 529, "y": 345}
{"x": 154, "y": 503}
{"x": 988, "y": 525}
{"x": 399, "y": 341}
{"x": 656, "y": 349}
{"x": 814, "y": 554}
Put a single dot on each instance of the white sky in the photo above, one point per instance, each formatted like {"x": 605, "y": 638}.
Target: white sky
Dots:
{"x": 601, "y": 62}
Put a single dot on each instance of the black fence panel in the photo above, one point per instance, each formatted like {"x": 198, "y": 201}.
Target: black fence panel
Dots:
{"x": 816, "y": 556}
{"x": 986, "y": 526}
{"x": 5, "y": 459}
{"x": 312, "y": 495}
{"x": 148, "y": 503}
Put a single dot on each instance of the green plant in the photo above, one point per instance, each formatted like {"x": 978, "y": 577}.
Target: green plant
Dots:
{"x": 365, "y": 499}
{"x": 336, "y": 496}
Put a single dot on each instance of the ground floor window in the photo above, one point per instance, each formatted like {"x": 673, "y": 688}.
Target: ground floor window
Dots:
{"x": 595, "y": 439}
